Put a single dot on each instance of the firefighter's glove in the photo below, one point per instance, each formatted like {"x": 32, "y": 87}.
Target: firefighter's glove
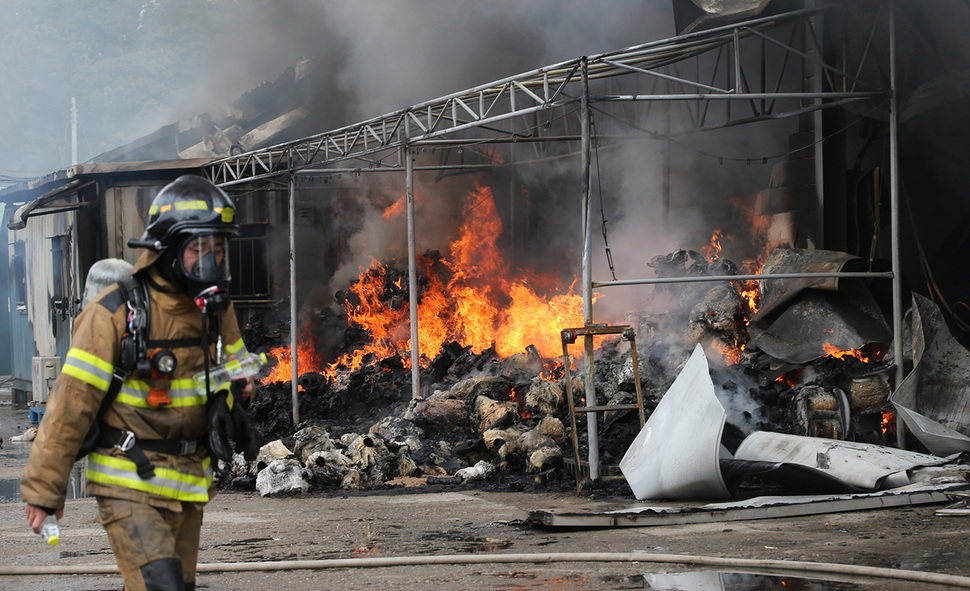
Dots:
{"x": 246, "y": 437}
{"x": 221, "y": 426}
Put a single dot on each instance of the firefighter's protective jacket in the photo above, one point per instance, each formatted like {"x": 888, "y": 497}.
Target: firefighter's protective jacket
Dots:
{"x": 79, "y": 389}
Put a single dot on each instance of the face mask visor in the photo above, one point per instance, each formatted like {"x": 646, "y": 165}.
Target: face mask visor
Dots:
{"x": 205, "y": 259}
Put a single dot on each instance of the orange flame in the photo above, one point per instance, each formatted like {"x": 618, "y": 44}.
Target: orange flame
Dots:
{"x": 307, "y": 360}
{"x": 786, "y": 379}
{"x": 712, "y": 252}
{"x": 751, "y": 290}
{"x": 519, "y": 401}
{"x": 888, "y": 422}
{"x": 752, "y": 297}
{"x": 731, "y": 352}
{"x": 395, "y": 208}
{"x": 480, "y": 306}
{"x": 833, "y": 351}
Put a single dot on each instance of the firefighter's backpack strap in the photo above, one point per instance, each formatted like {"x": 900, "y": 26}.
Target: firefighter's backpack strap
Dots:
{"x": 121, "y": 370}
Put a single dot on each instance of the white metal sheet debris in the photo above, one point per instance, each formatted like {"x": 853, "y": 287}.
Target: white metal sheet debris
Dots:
{"x": 675, "y": 455}
{"x": 750, "y": 509}
{"x": 934, "y": 399}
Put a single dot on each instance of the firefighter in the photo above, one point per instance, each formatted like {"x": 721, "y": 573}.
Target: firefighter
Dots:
{"x": 151, "y": 468}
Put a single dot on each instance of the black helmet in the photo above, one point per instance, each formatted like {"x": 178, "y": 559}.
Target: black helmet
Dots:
{"x": 190, "y": 213}
{"x": 188, "y": 205}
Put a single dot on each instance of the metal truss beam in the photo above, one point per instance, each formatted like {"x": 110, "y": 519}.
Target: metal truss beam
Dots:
{"x": 725, "y": 62}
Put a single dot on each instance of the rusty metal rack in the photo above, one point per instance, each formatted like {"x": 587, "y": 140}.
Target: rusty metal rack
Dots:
{"x": 568, "y": 336}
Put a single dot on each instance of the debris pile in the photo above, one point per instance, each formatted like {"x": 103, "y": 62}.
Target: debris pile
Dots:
{"x": 507, "y": 419}
{"x": 806, "y": 360}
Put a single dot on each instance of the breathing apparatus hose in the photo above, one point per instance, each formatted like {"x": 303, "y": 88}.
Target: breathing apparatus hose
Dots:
{"x": 778, "y": 567}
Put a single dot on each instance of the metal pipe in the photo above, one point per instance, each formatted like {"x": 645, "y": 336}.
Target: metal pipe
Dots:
{"x": 741, "y": 96}
{"x": 568, "y": 381}
{"x": 592, "y": 434}
{"x": 818, "y": 227}
{"x": 792, "y": 567}
{"x": 294, "y": 358}
{"x": 656, "y": 280}
{"x": 412, "y": 271}
{"x": 738, "y": 88}
{"x": 894, "y": 218}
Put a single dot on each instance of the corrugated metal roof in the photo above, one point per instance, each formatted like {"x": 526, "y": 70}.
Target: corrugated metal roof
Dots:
{"x": 53, "y": 181}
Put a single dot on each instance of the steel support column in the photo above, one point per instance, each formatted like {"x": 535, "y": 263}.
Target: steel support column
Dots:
{"x": 412, "y": 271}
{"x": 592, "y": 434}
{"x": 894, "y": 218}
{"x": 294, "y": 329}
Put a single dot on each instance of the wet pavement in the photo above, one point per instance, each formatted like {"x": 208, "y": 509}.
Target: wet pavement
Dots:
{"x": 485, "y": 547}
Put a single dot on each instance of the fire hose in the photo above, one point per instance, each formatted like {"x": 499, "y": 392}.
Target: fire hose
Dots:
{"x": 785, "y": 567}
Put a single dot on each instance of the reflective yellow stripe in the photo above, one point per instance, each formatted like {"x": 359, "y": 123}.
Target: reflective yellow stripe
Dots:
{"x": 227, "y": 213}
{"x": 183, "y": 393}
{"x": 167, "y": 483}
{"x": 182, "y": 205}
{"x": 143, "y": 403}
{"x": 235, "y": 347}
{"x": 88, "y": 368}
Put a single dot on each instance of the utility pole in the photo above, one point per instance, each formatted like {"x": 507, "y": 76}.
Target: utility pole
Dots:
{"x": 73, "y": 131}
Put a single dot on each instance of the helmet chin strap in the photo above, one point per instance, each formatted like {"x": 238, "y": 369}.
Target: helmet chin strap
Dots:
{"x": 168, "y": 267}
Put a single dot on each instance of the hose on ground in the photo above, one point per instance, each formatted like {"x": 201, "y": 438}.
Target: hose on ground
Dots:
{"x": 787, "y": 567}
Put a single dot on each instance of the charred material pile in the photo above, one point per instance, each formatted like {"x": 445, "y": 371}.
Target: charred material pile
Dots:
{"x": 484, "y": 415}
{"x": 807, "y": 362}
{"x": 803, "y": 355}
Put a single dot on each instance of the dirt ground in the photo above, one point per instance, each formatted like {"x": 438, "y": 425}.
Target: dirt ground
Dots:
{"x": 478, "y": 523}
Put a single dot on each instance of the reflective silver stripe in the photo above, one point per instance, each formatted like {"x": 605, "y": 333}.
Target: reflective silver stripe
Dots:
{"x": 166, "y": 483}
{"x": 88, "y": 368}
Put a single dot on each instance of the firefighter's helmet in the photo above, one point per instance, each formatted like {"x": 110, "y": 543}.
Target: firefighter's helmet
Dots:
{"x": 189, "y": 223}
{"x": 188, "y": 205}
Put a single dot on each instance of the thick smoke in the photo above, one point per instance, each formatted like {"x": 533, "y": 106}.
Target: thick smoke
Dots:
{"x": 394, "y": 53}
{"x": 382, "y": 55}
{"x": 385, "y": 55}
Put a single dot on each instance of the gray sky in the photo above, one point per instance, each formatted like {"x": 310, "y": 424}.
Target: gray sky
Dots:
{"x": 387, "y": 54}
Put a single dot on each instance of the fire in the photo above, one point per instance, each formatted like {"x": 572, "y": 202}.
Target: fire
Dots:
{"x": 833, "y": 351}
{"x": 480, "y": 305}
{"x": 750, "y": 291}
{"x": 306, "y": 355}
{"x": 731, "y": 352}
{"x": 888, "y": 422}
{"x": 786, "y": 379}
{"x": 520, "y": 402}
{"x": 494, "y": 153}
{"x": 751, "y": 296}
{"x": 387, "y": 326}
{"x": 394, "y": 209}
{"x": 554, "y": 371}
{"x": 712, "y": 252}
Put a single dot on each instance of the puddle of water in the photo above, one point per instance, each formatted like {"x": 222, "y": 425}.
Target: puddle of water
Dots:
{"x": 463, "y": 543}
{"x": 723, "y": 581}
{"x": 16, "y": 458}
{"x": 932, "y": 559}
{"x": 679, "y": 581}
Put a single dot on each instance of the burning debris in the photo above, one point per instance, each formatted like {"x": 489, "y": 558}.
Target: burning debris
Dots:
{"x": 796, "y": 357}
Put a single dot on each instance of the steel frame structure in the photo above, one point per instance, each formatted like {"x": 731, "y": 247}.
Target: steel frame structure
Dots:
{"x": 718, "y": 77}
{"x": 506, "y": 110}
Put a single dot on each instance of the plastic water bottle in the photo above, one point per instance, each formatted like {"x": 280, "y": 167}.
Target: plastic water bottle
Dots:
{"x": 50, "y": 530}
{"x": 230, "y": 370}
